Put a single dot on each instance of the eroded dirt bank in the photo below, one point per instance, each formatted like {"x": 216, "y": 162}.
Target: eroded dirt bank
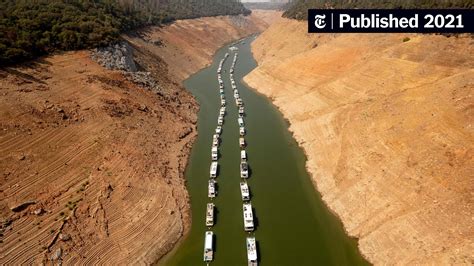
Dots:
{"x": 92, "y": 163}
{"x": 387, "y": 127}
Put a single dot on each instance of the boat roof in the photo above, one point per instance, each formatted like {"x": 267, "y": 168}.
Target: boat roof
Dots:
{"x": 251, "y": 248}
{"x": 208, "y": 240}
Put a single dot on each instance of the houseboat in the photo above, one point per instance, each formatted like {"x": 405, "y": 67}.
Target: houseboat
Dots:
{"x": 218, "y": 130}
{"x": 223, "y": 102}
{"x": 209, "y": 246}
{"x": 252, "y": 251}
{"x": 241, "y": 110}
{"x": 215, "y": 141}
{"x": 210, "y": 214}
{"x": 240, "y": 120}
{"x": 243, "y": 156}
{"x": 211, "y": 189}
{"x": 248, "y": 217}
{"x": 220, "y": 120}
{"x": 214, "y": 153}
{"x": 213, "y": 169}
{"x": 244, "y": 190}
{"x": 241, "y": 131}
{"x": 241, "y": 142}
{"x": 244, "y": 170}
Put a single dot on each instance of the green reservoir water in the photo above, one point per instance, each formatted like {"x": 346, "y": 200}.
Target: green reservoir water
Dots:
{"x": 293, "y": 226}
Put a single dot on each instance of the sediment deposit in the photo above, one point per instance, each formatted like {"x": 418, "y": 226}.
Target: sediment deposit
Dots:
{"x": 386, "y": 122}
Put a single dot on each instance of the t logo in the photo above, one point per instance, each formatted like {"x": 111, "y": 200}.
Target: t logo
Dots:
{"x": 319, "y": 21}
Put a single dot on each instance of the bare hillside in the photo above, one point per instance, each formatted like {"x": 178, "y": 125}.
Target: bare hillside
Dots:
{"x": 387, "y": 127}
{"x": 91, "y": 163}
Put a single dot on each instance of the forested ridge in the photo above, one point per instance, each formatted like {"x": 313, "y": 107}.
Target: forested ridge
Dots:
{"x": 298, "y": 9}
{"x": 30, "y": 28}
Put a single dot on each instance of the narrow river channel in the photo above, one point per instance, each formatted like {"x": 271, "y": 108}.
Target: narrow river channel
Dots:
{"x": 293, "y": 226}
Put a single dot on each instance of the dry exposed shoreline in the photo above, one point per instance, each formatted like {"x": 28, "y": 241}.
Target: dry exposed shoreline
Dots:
{"x": 401, "y": 183}
{"x": 98, "y": 161}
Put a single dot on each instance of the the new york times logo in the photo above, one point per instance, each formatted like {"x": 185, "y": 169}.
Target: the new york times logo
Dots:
{"x": 391, "y": 20}
{"x": 320, "y": 21}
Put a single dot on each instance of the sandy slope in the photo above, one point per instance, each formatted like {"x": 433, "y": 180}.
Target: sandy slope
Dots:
{"x": 387, "y": 127}
{"x": 101, "y": 159}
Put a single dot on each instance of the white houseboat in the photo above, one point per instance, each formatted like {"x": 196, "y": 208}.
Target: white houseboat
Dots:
{"x": 240, "y": 120}
{"x": 241, "y": 131}
{"x": 252, "y": 251}
{"x": 210, "y": 214}
{"x": 241, "y": 110}
{"x": 223, "y": 102}
{"x": 245, "y": 191}
{"x": 244, "y": 170}
{"x": 214, "y": 153}
{"x": 248, "y": 217}
{"x": 209, "y": 246}
{"x": 213, "y": 169}
{"x": 211, "y": 189}
{"x": 243, "y": 156}
{"x": 215, "y": 141}
{"x": 220, "y": 120}
{"x": 218, "y": 130}
{"x": 241, "y": 142}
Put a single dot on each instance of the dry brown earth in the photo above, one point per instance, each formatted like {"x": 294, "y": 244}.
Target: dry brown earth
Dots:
{"x": 388, "y": 129}
{"x": 91, "y": 165}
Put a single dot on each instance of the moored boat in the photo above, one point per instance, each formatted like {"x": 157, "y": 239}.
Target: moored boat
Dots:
{"x": 242, "y": 131}
{"x": 244, "y": 191}
{"x": 244, "y": 170}
{"x": 209, "y": 246}
{"x": 215, "y": 141}
{"x": 248, "y": 217}
{"x": 243, "y": 156}
{"x": 214, "y": 153}
{"x": 211, "y": 189}
{"x": 213, "y": 169}
{"x": 241, "y": 142}
{"x": 210, "y": 214}
{"x": 240, "y": 120}
{"x": 252, "y": 256}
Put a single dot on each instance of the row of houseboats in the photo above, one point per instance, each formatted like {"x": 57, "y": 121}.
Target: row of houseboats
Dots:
{"x": 251, "y": 244}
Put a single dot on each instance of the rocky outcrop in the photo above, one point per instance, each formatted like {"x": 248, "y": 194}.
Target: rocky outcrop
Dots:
{"x": 117, "y": 56}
